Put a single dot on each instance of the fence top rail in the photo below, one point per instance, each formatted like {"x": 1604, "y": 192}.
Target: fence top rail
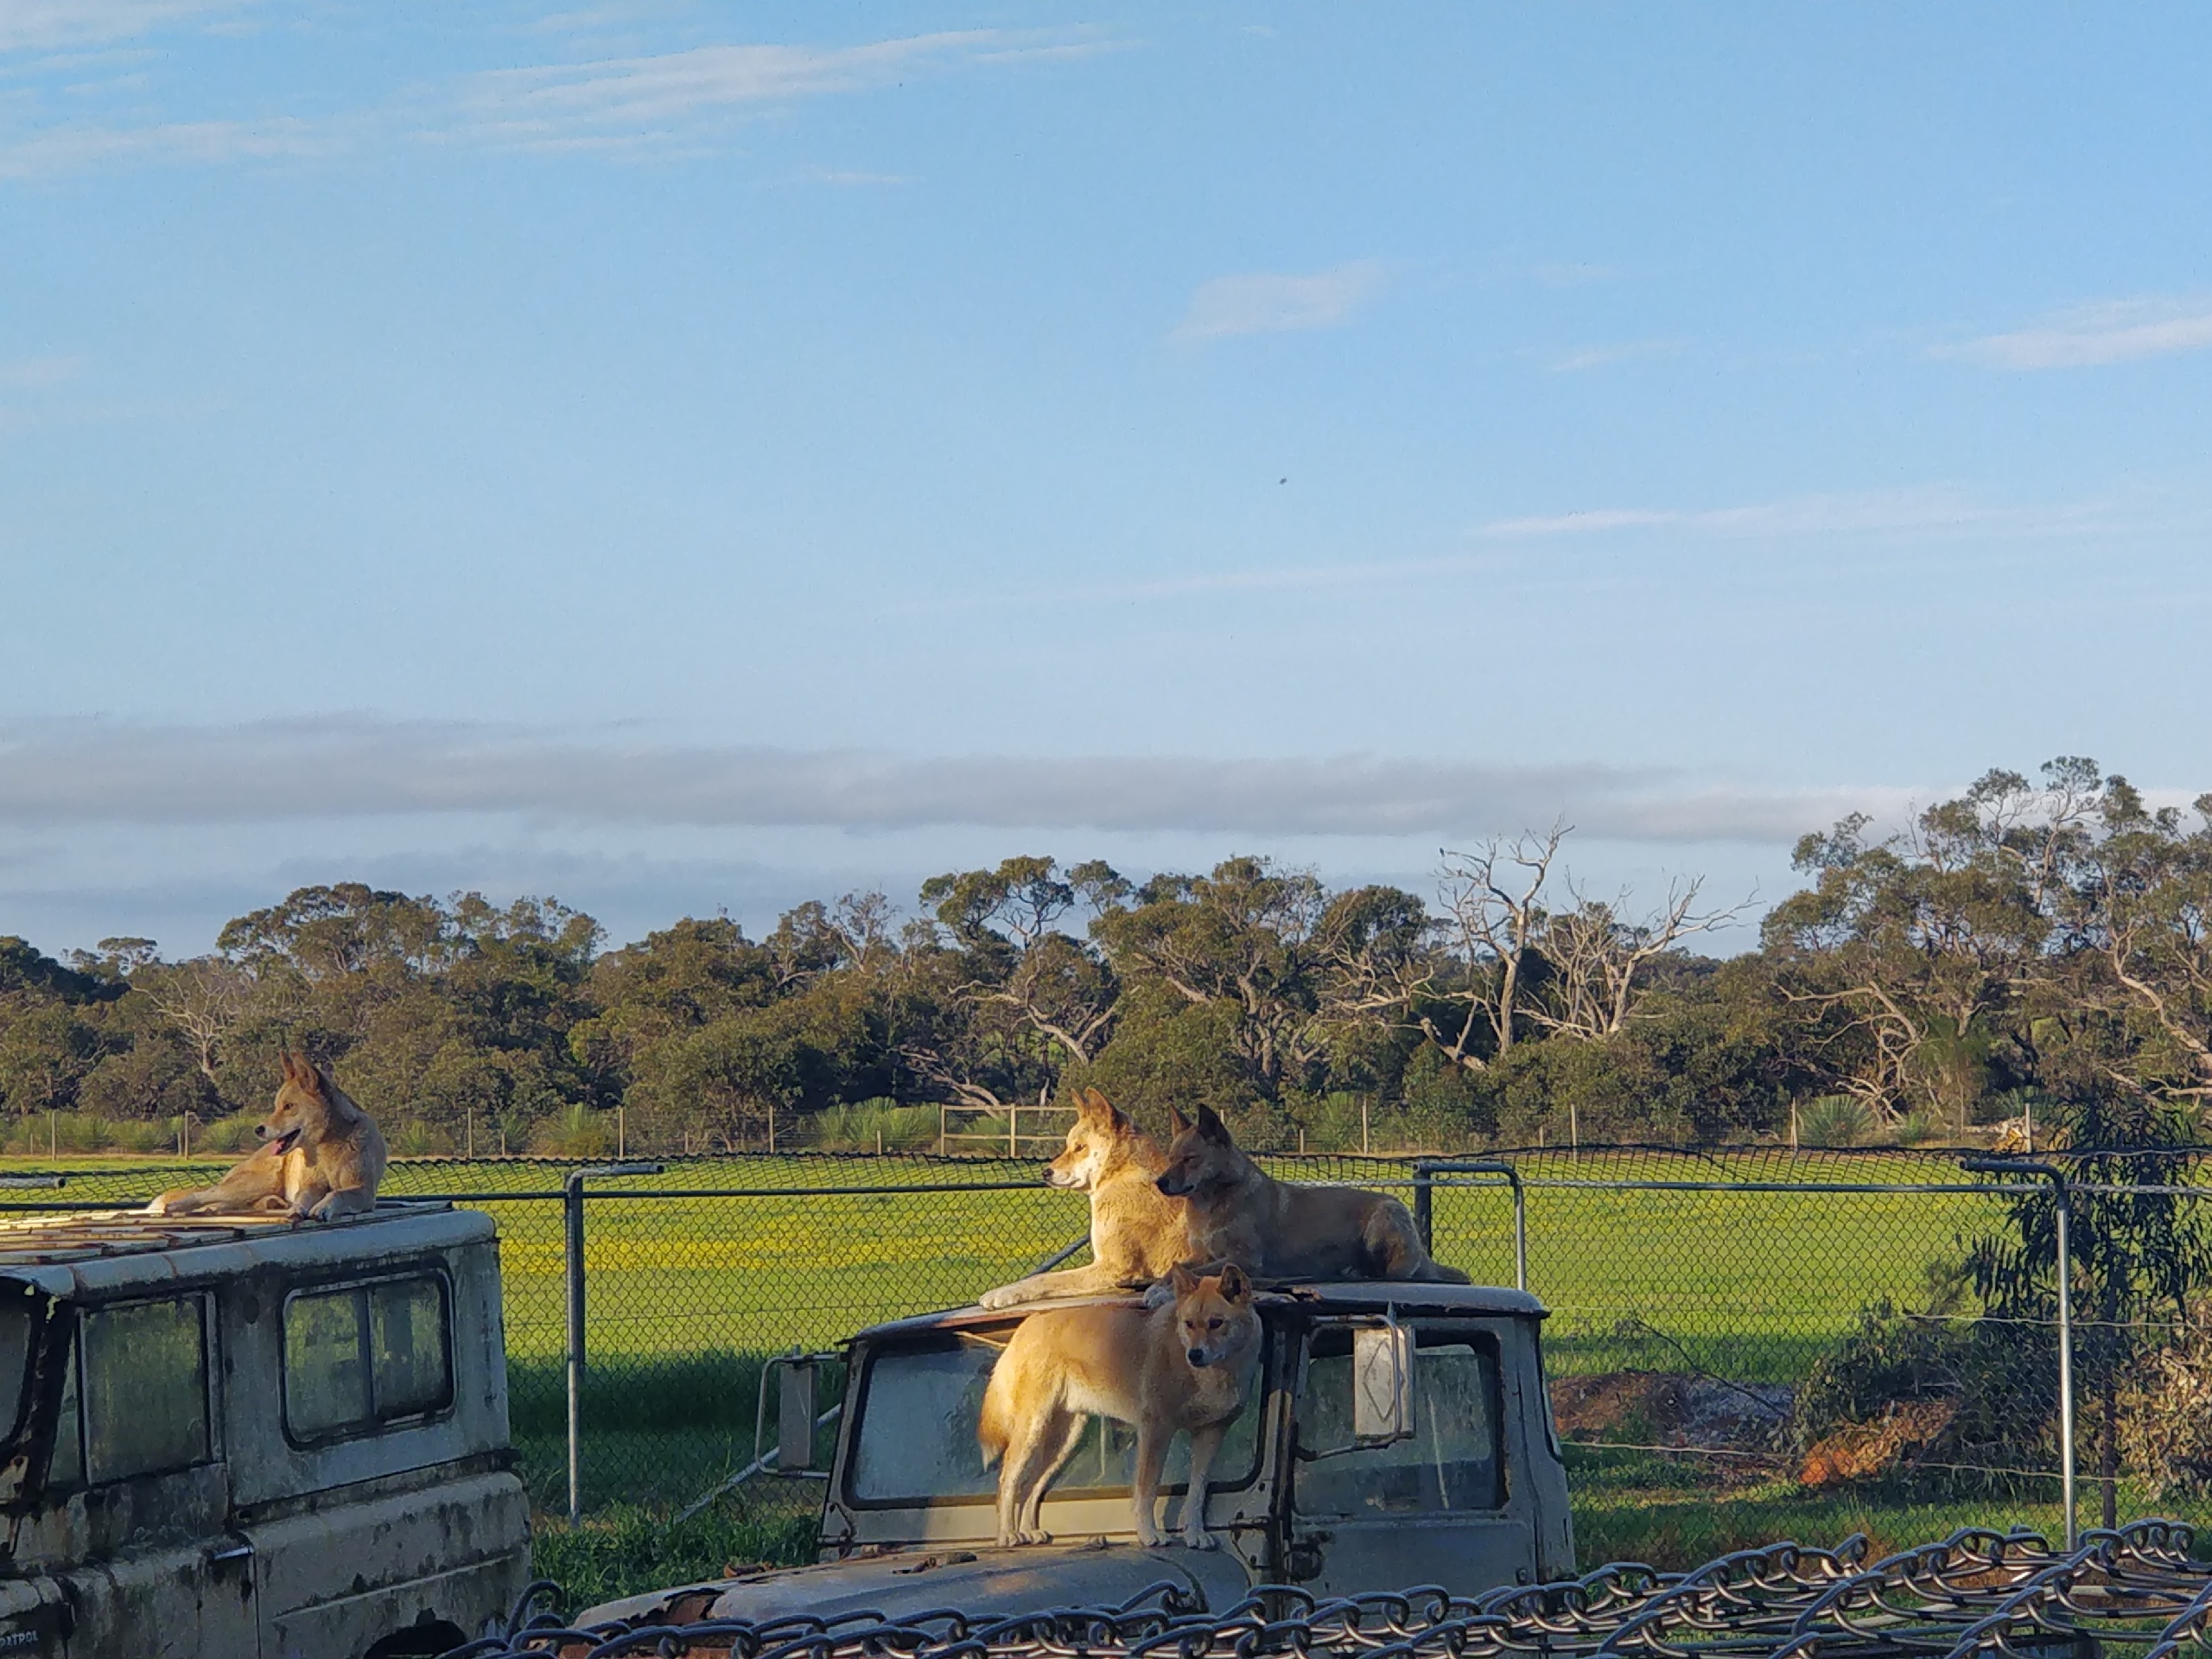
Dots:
{"x": 1533, "y": 1182}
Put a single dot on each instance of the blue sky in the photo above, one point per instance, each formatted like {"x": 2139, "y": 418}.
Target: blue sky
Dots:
{"x": 686, "y": 456}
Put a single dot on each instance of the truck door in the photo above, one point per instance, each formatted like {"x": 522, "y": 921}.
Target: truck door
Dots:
{"x": 1430, "y": 1508}
{"x": 136, "y": 1443}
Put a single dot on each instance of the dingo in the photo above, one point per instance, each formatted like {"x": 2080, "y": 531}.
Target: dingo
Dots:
{"x": 323, "y": 1156}
{"x": 1157, "y": 1370}
{"x": 1274, "y": 1231}
{"x": 1137, "y": 1233}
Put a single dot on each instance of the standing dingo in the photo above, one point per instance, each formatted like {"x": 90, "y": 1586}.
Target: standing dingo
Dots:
{"x": 1159, "y": 1370}
{"x": 1137, "y": 1232}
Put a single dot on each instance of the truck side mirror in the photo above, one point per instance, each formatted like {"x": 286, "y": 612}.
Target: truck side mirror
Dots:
{"x": 1383, "y": 1383}
{"x": 795, "y": 1414}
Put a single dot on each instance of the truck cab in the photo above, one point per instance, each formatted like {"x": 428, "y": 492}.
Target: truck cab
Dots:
{"x": 254, "y": 1437}
{"x": 1454, "y": 1479}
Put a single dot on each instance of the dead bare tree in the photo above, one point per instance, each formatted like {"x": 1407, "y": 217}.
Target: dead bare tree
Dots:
{"x": 1597, "y": 957}
{"x": 1493, "y": 918}
{"x": 205, "y": 1000}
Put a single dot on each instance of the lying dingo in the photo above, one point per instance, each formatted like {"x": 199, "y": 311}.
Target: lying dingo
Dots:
{"x": 1161, "y": 1369}
{"x": 1137, "y": 1233}
{"x": 1275, "y": 1230}
{"x": 322, "y": 1157}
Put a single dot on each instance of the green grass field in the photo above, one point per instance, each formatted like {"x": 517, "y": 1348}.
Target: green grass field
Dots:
{"x": 687, "y": 1292}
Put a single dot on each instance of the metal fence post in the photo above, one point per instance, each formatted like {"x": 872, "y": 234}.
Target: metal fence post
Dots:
{"x": 1425, "y": 1172}
{"x": 1519, "y": 1230}
{"x": 2065, "y": 1356}
{"x": 572, "y": 1207}
{"x": 2065, "y": 1269}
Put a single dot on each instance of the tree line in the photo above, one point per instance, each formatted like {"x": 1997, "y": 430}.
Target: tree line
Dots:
{"x": 2005, "y": 946}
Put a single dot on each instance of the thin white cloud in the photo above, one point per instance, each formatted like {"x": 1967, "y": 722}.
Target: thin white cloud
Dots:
{"x": 67, "y": 149}
{"x": 1598, "y": 357}
{"x": 2117, "y": 331}
{"x": 1266, "y": 303}
{"x": 850, "y": 178}
{"x": 671, "y": 103}
{"x": 1933, "y": 508}
{"x": 44, "y": 25}
{"x": 57, "y": 774}
{"x": 619, "y": 101}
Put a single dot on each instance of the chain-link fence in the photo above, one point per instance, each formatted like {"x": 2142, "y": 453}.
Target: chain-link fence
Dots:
{"x": 1773, "y": 1331}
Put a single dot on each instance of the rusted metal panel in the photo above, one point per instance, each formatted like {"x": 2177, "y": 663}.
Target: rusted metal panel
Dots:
{"x": 273, "y": 1542}
{"x": 459, "y": 1550}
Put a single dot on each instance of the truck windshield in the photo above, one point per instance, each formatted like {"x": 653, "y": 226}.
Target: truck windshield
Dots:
{"x": 916, "y": 1438}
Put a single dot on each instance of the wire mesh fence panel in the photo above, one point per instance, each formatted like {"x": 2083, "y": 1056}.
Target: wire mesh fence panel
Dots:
{"x": 1756, "y": 1340}
{"x": 1799, "y": 1334}
{"x": 690, "y": 1290}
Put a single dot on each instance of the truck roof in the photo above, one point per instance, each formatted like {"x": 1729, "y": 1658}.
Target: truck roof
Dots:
{"x": 1335, "y": 1295}
{"x": 94, "y": 1252}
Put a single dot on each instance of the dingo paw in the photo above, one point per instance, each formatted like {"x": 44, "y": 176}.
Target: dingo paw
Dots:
{"x": 1038, "y": 1537}
{"x": 1002, "y": 1297}
{"x": 1199, "y": 1540}
{"x": 1148, "y": 1537}
{"x": 1161, "y": 1294}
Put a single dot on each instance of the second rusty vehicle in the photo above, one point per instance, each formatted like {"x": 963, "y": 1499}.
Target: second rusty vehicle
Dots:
{"x": 1395, "y": 1433}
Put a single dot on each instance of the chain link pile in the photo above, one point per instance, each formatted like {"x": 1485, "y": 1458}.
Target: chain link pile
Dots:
{"x": 1977, "y": 1593}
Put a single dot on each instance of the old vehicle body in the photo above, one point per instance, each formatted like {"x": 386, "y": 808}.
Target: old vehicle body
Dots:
{"x": 1470, "y": 1493}
{"x": 249, "y": 1437}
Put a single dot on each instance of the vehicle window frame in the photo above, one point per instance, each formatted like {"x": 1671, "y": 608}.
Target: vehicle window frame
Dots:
{"x": 375, "y": 1424}
{"x": 1487, "y": 1342}
{"x": 213, "y": 1450}
{"x": 38, "y": 1309}
{"x": 995, "y": 1336}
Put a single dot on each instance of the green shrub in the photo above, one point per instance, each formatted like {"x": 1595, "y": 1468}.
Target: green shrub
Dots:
{"x": 1946, "y": 1349}
{"x": 1834, "y": 1120}
{"x": 415, "y": 1139}
{"x": 577, "y": 1133}
{"x": 856, "y": 1127}
{"x": 2165, "y": 1412}
{"x": 1914, "y": 1128}
{"x": 136, "y": 1135}
{"x": 234, "y": 1134}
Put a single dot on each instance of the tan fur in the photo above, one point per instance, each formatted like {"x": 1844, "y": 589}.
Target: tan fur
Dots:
{"x": 1275, "y": 1230}
{"x": 1137, "y": 1233}
{"x": 1159, "y": 1370}
{"x": 323, "y": 1157}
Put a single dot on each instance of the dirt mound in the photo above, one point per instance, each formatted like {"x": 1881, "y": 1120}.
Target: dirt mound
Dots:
{"x": 1670, "y": 1408}
{"x": 1859, "y": 1451}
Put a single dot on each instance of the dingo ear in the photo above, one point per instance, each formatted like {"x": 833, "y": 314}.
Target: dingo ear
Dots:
{"x": 1176, "y": 1121}
{"x": 1211, "y": 1127}
{"x": 1109, "y": 1114}
{"x": 291, "y": 1066}
{"x": 1183, "y": 1278}
{"x": 310, "y": 1077}
{"x": 1234, "y": 1285}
